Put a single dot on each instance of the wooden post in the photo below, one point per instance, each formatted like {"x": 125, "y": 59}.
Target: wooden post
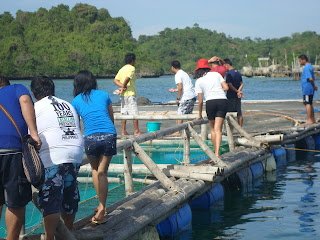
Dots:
{"x": 127, "y": 164}
{"x": 153, "y": 167}
{"x": 205, "y": 147}
{"x": 204, "y": 132}
{"x": 229, "y": 135}
{"x": 186, "y": 150}
{"x": 235, "y": 124}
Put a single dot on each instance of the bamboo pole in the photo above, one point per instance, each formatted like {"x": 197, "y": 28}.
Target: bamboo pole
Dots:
{"x": 229, "y": 135}
{"x": 205, "y": 147}
{"x": 247, "y": 142}
{"x": 183, "y": 174}
{"x": 235, "y": 124}
{"x": 204, "y": 132}
{"x": 186, "y": 150}
{"x": 153, "y": 167}
{"x": 198, "y": 169}
{"x": 127, "y": 164}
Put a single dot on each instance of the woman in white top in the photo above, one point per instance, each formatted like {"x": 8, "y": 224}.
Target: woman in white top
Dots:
{"x": 212, "y": 86}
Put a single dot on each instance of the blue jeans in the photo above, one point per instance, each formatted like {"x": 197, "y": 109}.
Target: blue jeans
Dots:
{"x": 97, "y": 144}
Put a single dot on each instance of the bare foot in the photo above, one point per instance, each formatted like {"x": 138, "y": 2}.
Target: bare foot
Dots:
{"x": 125, "y": 133}
{"x": 178, "y": 134}
{"x": 138, "y": 133}
{"x": 99, "y": 215}
{"x": 307, "y": 123}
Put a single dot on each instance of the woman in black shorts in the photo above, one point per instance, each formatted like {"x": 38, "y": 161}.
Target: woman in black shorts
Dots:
{"x": 213, "y": 87}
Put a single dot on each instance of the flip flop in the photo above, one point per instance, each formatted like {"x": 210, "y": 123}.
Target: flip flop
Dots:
{"x": 98, "y": 222}
{"x": 96, "y": 210}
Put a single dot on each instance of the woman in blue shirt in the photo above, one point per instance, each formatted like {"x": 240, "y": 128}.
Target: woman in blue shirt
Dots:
{"x": 95, "y": 109}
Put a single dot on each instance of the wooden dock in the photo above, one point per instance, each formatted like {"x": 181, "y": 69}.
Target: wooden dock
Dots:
{"x": 137, "y": 215}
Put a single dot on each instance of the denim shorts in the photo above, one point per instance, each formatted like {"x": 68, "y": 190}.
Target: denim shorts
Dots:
{"x": 97, "y": 144}
{"x": 60, "y": 193}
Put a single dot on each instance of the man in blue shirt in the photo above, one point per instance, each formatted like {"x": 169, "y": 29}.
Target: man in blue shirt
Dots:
{"x": 234, "y": 94}
{"x": 15, "y": 190}
{"x": 308, "y": 87}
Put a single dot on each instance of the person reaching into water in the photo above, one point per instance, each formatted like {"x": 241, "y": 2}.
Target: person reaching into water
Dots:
{"x": 186, "y": 94}
{"x": 61, "y": 154}
{"x": 126, "y": 80}
{"x": 95, "y": 109}
{"x": 211, "y": 86}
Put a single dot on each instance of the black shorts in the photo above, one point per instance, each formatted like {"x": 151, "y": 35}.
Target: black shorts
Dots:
{"x": 216, "y": 108}
{"x": 234, "y": 105}
{"x": 307, "y": 99}
{"x": 15, "y": 190}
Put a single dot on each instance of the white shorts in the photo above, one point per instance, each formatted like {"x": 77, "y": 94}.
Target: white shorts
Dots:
{"x": 129, "y": 105}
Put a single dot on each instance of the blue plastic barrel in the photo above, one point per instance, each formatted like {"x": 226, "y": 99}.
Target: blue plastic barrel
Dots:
{"x": 317, "y": 142}
{"x": 206, "y": 200}
{"x": 306, "y": 143}
{"x": 291, "y": 153}
{"x": 257, "y": 170}
{"x": 153, "y": 126}
{"x": 280, "y": 156}
{"x": 176, "y": 222}
{"x": 245, "y": 177}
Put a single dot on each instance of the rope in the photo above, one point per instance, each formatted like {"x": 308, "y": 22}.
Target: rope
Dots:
{"x": 276, "y": 115}
{"x": 301, "y": 149}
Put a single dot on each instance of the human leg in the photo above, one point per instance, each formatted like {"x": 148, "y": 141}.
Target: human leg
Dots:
{"x": 218, "y": 134}
{"x": 213, "y": 134}
{"x": 136, "y": 128}
{"x": 1, "y": 207}
{"x": 15, "y": 218}
{"x": 310, "y": 114}
{"x": 124, "y": 130}
{"x": 68, "y": 219}
{"x": 100, "y": 181}
{"x": 50, "y": 223}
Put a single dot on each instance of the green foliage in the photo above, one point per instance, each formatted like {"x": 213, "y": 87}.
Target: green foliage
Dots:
{"x": 61, "y": 41}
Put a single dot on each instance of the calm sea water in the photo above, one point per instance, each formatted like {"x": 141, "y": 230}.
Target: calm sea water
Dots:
{"x": 156, "y": 89}
{"x": 286, "y": 205}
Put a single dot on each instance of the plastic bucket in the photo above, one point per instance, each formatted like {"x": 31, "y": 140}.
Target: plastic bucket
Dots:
{"x": 153, "y": 126}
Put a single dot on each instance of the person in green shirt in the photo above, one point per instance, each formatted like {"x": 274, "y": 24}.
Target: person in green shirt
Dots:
{"x": 126, "y": 80}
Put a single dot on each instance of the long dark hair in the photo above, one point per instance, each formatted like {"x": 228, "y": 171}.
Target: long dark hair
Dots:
{"x": 83, "y": 83}
{"x": 201, "y": 72}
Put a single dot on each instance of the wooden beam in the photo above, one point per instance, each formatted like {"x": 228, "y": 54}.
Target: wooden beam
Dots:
{"x": 153, "y": 167}
{"x": 186, "y": 150}
{"x": 127, "y": 164}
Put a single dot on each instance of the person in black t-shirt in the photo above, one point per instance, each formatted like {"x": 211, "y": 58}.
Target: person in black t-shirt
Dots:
{"x": 234, "y": 94}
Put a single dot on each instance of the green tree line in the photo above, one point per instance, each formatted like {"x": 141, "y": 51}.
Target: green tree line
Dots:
{"x": 59, "y": 42}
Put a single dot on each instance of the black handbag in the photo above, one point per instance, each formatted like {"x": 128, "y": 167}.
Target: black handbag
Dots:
{"x": 32, "y": 164}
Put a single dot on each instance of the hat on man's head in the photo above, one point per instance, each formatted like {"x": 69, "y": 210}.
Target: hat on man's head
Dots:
{"x": 202, "y": 63}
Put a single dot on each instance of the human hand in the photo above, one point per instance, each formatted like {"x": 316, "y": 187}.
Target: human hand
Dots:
{"x": 37, "y": 140}
{"x": 171, "y": 90}
{"x": 213, "y": 59}
{"x": 199, "y": 117}
{"x": 315, "y": 88}
{"x": 240, "y": 94}
{"x": 177, "y": 102}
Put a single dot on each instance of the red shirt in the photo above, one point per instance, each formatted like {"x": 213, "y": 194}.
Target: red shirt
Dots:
{"x": 220, "y": 69}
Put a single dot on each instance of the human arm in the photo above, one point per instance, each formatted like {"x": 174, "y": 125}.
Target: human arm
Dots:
{"x": 224, "y": 86}
{"x": 172, "y": 90}
{"x": 311, "y": 80}
{"x": 180, "y": 87}
{"x": 110, "y": 110}
{"x": 200, "y": 103}
{"x": 122, "y": 85}
{"x": 29, "y": 116}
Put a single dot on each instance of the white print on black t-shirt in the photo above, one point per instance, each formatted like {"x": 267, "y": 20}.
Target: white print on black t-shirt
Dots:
{"x": 65, "y": 119}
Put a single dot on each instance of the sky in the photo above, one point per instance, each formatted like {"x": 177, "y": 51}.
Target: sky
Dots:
{"x": 237, "y": 18}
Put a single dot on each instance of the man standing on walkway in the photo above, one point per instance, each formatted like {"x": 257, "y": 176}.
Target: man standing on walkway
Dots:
{"x": 15, "y": 190}
{"x": 308, "y": 87}
{"x": 186, "y": 94}
{"x": 234, "y": 94}
{"x": 217, "y": 65}
{"x": 126, "y": 80}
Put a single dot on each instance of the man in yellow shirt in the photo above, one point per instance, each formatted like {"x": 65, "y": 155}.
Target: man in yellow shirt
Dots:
{"x": 126, "y": 80}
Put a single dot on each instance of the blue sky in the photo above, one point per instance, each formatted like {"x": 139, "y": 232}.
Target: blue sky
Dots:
{"x": 237, "y": 18}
